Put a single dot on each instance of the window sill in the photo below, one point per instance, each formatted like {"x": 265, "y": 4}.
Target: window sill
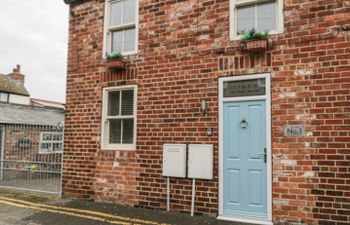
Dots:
{"x": 126, "y": 54}
{"x": 120, "y": 148}
{"x": 238, "y": 37}
{"x": 130, "y": 53}
{"x": 47, "y": 153}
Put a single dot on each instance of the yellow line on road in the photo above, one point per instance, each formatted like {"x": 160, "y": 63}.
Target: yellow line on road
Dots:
{"x": 65, "y": 213}
{"x": 76, "y": 211}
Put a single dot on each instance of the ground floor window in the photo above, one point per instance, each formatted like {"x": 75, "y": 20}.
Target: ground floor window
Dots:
{"x": 51, "y": 142}
{"x": 118, "y": 118}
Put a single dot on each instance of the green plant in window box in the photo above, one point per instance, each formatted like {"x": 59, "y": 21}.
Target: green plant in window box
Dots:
{"x": 115, "y": 60}
{"x": 255, "y": 41}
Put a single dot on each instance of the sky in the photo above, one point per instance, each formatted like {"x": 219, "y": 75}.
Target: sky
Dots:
{"x": 34, "y": 34}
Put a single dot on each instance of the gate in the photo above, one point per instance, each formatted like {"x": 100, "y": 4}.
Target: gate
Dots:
{"x": 31, "y": 157}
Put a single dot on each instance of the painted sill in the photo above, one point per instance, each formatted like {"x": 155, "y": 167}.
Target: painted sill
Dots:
{"x": 126, "y": 54}
{"x": 47, "y": 153}
{"x": 238, "y": 37}
{"x": 243, "y": 220}
{"x": 120, "y": 148}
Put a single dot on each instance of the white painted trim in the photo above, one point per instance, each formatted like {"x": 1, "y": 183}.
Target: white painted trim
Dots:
{"x": 267, "y": 98}
{"x": 246, "y": 98}
{"x": 104, "y": 135}
{"x": 2, "y": 149}
{"x": 44, "y": 151}
{"x": 106, "y": 29}
{"x": 233, "y": 17}
{"x": 244, "y": 220}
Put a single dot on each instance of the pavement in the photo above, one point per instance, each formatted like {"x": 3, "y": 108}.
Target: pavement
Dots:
{"x": 25, "y": 208}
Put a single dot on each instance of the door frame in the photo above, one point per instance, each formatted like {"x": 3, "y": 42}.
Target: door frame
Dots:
{"x": 267, "y": 98}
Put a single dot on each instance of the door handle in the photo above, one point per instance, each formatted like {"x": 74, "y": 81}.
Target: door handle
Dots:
{"x": 263, "y": 154}
{"x": 243, "y": 122}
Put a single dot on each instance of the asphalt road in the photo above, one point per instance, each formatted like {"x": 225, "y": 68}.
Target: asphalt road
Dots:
{"x": 31, "y": 209}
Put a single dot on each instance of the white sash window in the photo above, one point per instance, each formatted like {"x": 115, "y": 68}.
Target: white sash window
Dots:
{"x": 261, "y": 15}
{"x": 121, "y": 31}
{"x": 119, "y": 118}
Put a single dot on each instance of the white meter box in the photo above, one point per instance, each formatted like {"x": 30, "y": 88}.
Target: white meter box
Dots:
{"x": 174, "y": 160}
{"x": 200, "y": 161}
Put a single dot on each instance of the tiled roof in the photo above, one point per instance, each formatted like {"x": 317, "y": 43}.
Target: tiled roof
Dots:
{"x": 20, "y": 114}
{"x": 12, "y": 86}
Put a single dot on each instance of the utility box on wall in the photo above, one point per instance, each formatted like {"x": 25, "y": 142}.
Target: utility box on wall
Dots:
{"x": 174, "y": 160}
{"x": 200, "y": 161}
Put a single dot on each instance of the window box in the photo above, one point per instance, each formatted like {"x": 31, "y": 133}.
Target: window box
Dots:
{"x": 255, "y": 46}
{"x": 115, "y": 64}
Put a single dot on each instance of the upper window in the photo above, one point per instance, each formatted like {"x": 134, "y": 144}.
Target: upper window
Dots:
{"x": 51, "y": 142}
{"x": 24, "y": 143}
{"x": 262, "y": 15}
{"x": 119, "y": 118}
{"x": 4, "y": 97}
{"x": 121, "y": 26}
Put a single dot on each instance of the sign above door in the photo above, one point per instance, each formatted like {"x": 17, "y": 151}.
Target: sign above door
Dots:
{"x": 240, "y": 88}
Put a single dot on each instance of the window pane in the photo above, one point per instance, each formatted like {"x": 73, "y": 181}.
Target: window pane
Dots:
{"x": 45, "y": 146}
{"x": 47, "y": 137}
{"x": 3, "y": 97}
{"x": 113, "y": 103}
{"x": 127, "y": 102}
{"x": 57, "y": 147}
{"x": 129, "y": 8}
{"x": 57, "y": 137}
{"x": 128, "y": 131}
{"x": 116, "y": 14}
{"x": 129, "y": 44}
{"x": 114, "y": 131}
{"x": 244, "y": 88}
{"x": 117, "y": 41}
{"x": 245, "y": 18}
{"x": 266, "y": 16}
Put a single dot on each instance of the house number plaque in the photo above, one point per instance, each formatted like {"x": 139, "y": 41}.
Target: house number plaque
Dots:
{"x": 294, "y": 131}
{"x": 241, "y": 88}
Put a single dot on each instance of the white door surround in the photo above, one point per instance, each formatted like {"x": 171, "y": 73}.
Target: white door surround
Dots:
{"x": 267, "y": 98}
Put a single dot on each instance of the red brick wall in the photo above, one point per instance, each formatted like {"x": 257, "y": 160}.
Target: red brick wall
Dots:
{"x": 177, "y": 65}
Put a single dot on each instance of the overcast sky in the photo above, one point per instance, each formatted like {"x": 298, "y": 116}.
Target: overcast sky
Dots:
{"x": 34, "y": 34}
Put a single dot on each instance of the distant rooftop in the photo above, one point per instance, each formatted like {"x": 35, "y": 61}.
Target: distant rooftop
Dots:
{"x": 10, "y": 86}
{"x": 21, "y": 114}
{"x": 47, "y": 103}
{"x": 13, "y": 82}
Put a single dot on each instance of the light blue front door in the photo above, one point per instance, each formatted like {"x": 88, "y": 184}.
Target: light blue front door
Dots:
{"x": 244, "y": 139}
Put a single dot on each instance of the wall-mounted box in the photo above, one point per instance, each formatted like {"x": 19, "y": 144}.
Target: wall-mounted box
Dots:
{"x": 200, "y": 161}
{"x": 174, "y": 160}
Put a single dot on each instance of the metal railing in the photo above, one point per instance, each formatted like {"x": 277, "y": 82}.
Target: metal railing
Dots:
{"x": 31, "y": 157}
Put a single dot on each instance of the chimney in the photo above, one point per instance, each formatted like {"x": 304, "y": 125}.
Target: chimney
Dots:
{"x": 16, "y": 74}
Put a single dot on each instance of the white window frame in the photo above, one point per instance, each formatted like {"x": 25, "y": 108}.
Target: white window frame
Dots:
{"x": 105, "y": 145}
{"x": 107, "y": 36}
{"x": 233, "y": 16}
{"x": 44, "y": 151}
{"x": 7, "y": 95}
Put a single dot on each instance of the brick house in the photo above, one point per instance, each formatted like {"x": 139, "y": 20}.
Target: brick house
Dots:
{"x": 31, "y": 145}
{"x": 12, "y": 89}
{"x": 28, "y": 135}
{"x": 293, "y": 100}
